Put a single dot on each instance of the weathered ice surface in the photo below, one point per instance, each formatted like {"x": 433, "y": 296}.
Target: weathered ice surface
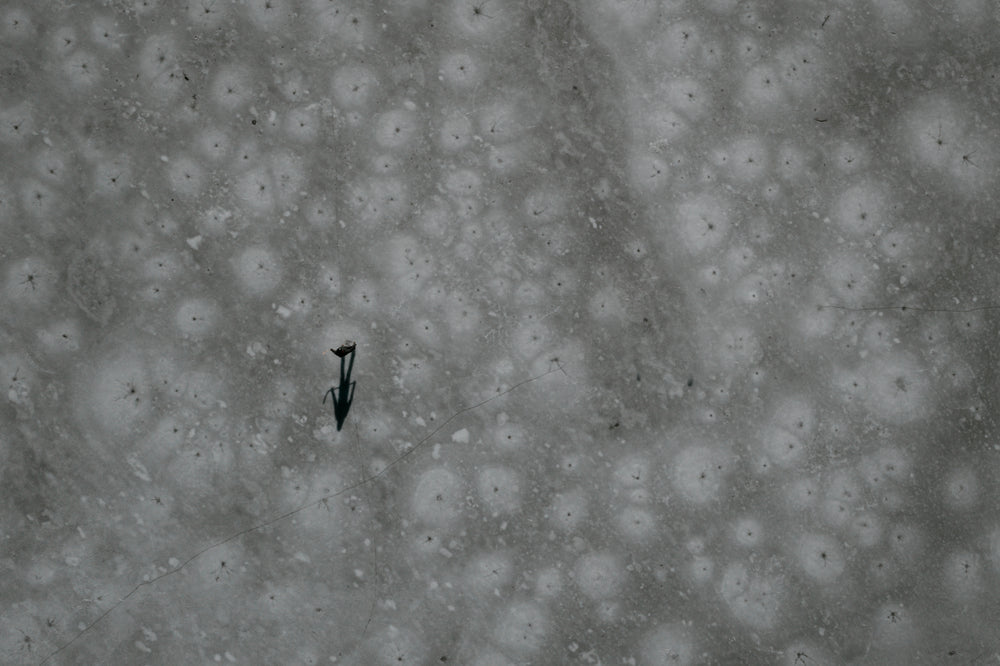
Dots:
{"x": 676, "y": 330}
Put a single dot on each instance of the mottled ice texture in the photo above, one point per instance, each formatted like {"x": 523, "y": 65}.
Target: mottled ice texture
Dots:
{"x": 676, "y": 331}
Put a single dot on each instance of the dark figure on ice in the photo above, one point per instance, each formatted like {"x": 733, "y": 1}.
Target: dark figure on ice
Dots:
{"x": 343, "y": 395}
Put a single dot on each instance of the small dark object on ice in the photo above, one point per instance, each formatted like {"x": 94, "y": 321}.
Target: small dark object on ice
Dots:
{"x": 345, "y": 349}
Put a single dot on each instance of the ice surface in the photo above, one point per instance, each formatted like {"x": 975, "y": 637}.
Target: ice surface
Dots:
{"x": 676, "y": 332}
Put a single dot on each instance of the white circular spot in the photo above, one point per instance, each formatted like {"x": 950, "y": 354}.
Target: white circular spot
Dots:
{"x": 633, "y": 471}
{"x": 522, "y": 627}
{"x": 668, "y": 645}
{"x": 764, "y": 91}
{"x": 461, "y": 70}
{"x": 232, "y": 87}
{"x": 698, "y": 473}
{"x": 499, "y": 489}
{"x": 863, "y": 209}
{"x": 489, "y": 572}
{"x": 254, "y": 190}
{"x": 961, "y": 488}
{"x": 637, "y": 525}
{"x": 748, "y": 532}
{"x": 438, "y": 498}
{"x": 549, "y": 582}
{"x": 397, "y": 128}
{"x": 30, "y": 282}
{"x": 396, "y": 646}
{"x": 701, "y": 569}
{"x": 753, "y": 598}
{"x": 568, "y": 509}
{"x": 510, "y": 437}
{"x": 258, "y": 270}
{"x": 214, "y": 143}
{"x": 118, "y": 393}
{"x": 820, "y": 557}
{"x": 783, "y": 448}
{"x": 483, "y": 20}
{"x": 866, "y": 530}
{"x": 898, "y": 389}
{"x": 186, "y": 176}
{"x": 702, "y": 221}
{"x": 599, "y": 575}
{"x": 196, "y": 317}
